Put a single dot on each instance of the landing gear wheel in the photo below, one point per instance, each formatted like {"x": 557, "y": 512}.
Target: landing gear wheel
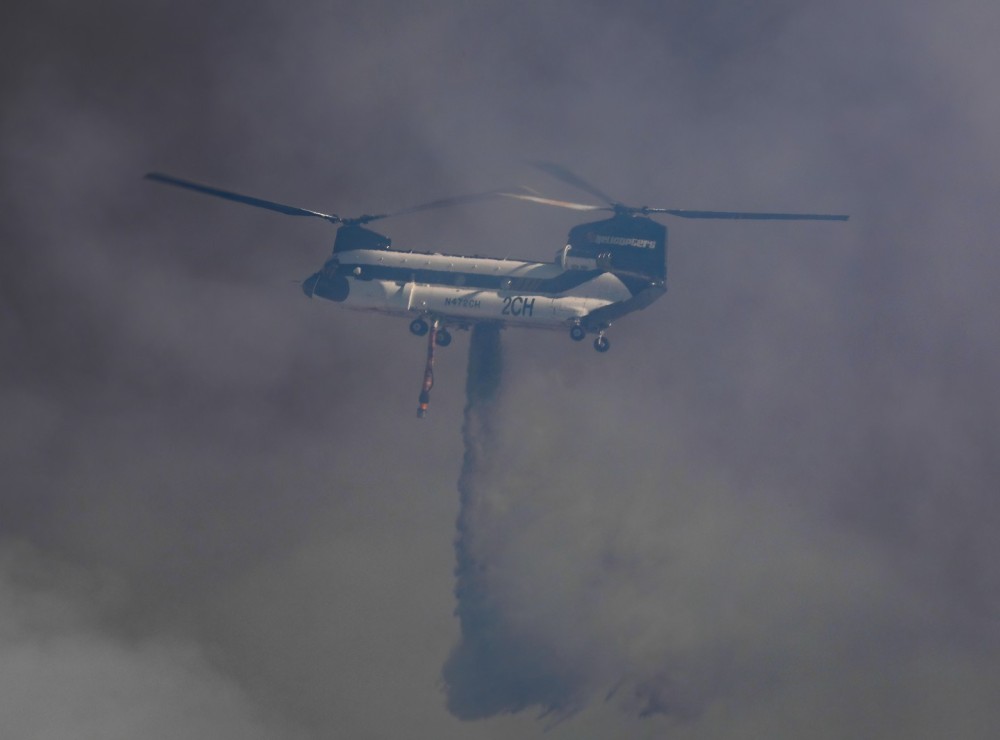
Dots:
{"x": 577, "y": 333}
{"x": 419, "y": 327}
{"x": 443, "y": 338}
{"x": 601, "y": 344}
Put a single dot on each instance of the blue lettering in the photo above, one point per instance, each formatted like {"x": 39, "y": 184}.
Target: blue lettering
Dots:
{"x": 464, "y": 302}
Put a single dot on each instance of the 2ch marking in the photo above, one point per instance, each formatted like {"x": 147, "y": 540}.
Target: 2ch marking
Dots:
{"x": 518, "y": 306}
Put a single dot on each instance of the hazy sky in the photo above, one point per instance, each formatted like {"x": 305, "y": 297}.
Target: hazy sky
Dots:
{"x": 770, "y": 511}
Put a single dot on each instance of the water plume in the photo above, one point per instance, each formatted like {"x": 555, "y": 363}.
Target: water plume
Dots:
{"x": 495, "y": 668}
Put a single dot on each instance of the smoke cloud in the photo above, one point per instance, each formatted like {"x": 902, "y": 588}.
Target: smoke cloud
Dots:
{"x": 769, "y": 511}
{"x": 64, "y": 676}
{"x": 662, "y": 596}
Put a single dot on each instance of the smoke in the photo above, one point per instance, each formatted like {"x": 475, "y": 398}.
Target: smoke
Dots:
{"x": 63, "y": 675}
{"x": 569, "y": 588}
{"x": 661, "y": 595}
{"x": 671, "y": 593}
{"x": 771, "y": 508}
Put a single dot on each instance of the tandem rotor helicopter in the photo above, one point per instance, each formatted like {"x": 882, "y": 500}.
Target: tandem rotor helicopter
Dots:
{"x": 606, "y": 270}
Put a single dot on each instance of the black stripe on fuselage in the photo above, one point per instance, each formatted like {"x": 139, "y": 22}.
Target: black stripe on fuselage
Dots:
{"x": 561, "y": 283}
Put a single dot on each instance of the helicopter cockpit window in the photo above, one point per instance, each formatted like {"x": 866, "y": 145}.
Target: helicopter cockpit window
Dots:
{"x": 561, "y": 255}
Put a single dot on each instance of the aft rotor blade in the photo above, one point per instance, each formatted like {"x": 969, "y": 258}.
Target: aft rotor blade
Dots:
{"x": 445, "y": 203}
{"x": 751, "y": 216}
{"x": 561, "y": 173}
{"x": 239, "y": 198}
{"x": 558, "y": 203}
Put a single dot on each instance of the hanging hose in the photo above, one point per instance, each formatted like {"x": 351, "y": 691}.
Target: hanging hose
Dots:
{"x": 425, "y": 390}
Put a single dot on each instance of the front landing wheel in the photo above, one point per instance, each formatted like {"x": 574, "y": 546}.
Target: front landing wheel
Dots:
{"x": 601, "y": 344}
{"x": 419, "y": 327}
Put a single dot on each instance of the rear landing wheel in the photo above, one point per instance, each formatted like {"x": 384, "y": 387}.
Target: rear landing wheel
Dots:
{"x": 601, "y": 344}
{"x": 577, "y": 333}
{"x": 419, "y": 327}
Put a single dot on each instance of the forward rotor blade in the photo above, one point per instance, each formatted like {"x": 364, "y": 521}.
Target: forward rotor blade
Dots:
{"x": 561, "y": 173}
{"x": 751, "y": 216}
{"x": 247, "y": 199}
{"x": 558, "y": 203}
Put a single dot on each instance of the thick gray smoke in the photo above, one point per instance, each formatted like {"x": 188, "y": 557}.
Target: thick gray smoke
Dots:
{"x": 663, "y": 594}
{"x": 504, "y": 663}
{"x": 772, "y": 507}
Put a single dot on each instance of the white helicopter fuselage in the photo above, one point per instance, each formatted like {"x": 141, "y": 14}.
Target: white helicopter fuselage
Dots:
{"x": 377, "y": 280}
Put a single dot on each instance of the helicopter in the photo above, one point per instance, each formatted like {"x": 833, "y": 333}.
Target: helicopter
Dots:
{"x": 607, "y": 269}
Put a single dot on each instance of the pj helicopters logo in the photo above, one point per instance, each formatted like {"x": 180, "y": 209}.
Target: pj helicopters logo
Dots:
{"x": 622, "y": 241}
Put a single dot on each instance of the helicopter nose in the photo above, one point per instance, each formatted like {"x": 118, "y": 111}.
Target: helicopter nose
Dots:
{"x": 309, "y": 284}
{"x": 333, "y": 288}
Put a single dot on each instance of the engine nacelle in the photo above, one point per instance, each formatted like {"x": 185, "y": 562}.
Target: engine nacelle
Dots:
{"x": 632, "y": 245}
